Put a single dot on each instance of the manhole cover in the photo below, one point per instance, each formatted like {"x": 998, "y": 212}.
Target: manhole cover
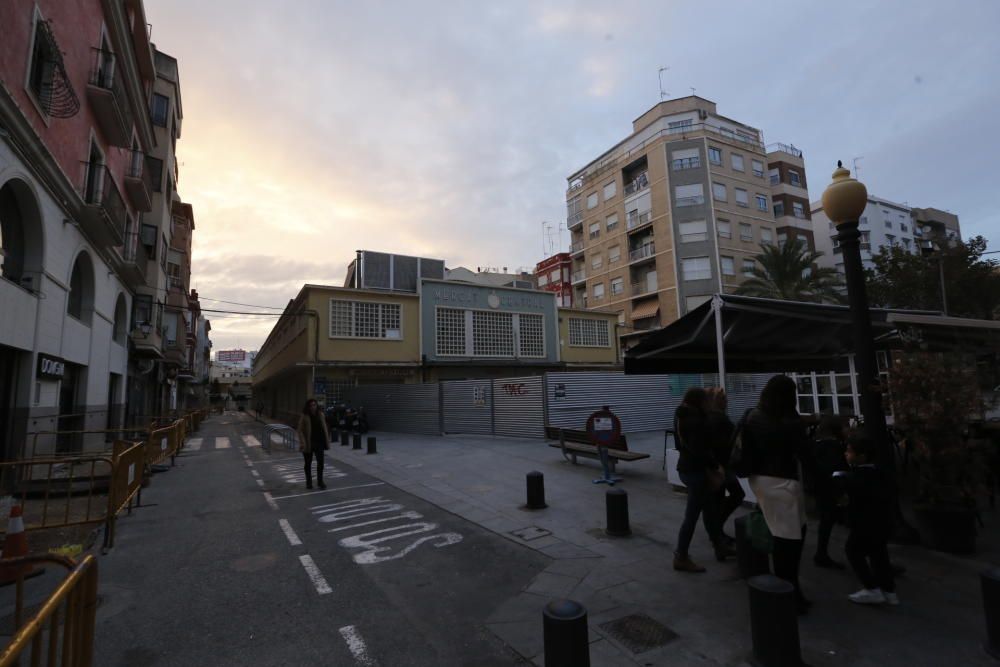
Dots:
{"x": 530, "y": 533}
{"x": 639, "y": 632}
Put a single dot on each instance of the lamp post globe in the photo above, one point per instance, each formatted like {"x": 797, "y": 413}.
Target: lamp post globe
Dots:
{"x": 844, "y": 200}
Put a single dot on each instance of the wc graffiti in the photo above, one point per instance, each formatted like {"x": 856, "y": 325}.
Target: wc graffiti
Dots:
{"x": 388, "y": 530}
{"x": 294, "y": 473}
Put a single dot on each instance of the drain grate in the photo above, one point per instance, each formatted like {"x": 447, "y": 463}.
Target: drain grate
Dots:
{"x": 530, "y": 533}
{"x": 639, "y": 632}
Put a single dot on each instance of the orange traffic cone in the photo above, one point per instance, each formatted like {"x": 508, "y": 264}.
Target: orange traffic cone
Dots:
{"x": 15, "y": 545}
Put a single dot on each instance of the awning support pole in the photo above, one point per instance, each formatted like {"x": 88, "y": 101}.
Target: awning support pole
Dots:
{"x": 719, "y": 346}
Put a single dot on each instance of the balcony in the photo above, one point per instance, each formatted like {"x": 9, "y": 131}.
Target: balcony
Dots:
{"x": 641, "y": 288}
{"x": 138, "y": 182}
{"x": 176, "y": 293}
{"x": 637, "y": 220}
{"x": 697, "y": 200}
{"x": 574, "y": 219}
{"x": 578, "y": 276}
{"x": 576, "y": 247}
{"x": 641, "y": 253}
{"x": 107, "y": 97}
{"x": 174, "y": 351}
{"x": 147, "y": 328}
{"x": 104, "y": 210}
{"x": 784, "y": 148}
{"x": 135, "y": 260}
{"x": 640, "y": 183}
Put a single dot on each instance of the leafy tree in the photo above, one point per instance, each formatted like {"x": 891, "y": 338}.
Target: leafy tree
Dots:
{"x": 901, "y": 279}
{"x": 789, "y": 272}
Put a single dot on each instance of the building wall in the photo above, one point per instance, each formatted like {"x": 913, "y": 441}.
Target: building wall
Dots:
{"x": 406, "y": 349}
{"x": 881, "y": 224}
{"x": 576, "y": 354}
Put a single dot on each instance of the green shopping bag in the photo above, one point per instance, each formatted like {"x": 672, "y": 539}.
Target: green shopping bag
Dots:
{"x": 758, "y": 532}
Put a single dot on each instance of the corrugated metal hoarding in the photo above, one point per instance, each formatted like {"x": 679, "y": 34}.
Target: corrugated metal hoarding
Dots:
{"x": 403, "y": 408}
{"x": 467, "y": 406}
{"x": 519, "y": 407}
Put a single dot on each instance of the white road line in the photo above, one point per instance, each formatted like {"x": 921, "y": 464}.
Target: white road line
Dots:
{"x": 260, "y": 482}
{"x": 317, "y": 577}
{"x": 357, "y": 645}
{"x": 194, "y": 444}
{"x": 339, "y": 488}
{"x": 293, "y": 539}
{"x": 293, "y": 458}
{"x": 251, "y": 441}
{"x": 222, "y": 442}
{"x": 255, "y": 473}
{"x": 249, "y": 464}
{"x": 270, "y": 500}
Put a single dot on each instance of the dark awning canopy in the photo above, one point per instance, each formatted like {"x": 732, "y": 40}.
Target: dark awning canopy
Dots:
{"x": 773, "y": 336}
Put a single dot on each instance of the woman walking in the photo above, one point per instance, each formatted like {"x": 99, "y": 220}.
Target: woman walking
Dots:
{"x": 314, "y": 439}
{"x": 721, "y": 430}
{"x": 700, "y": 472}
{"x": 775, "y": 442}
{"x": 828, "y": 457}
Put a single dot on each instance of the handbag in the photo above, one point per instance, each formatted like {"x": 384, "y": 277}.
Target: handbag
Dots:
{"x": 758, "y": 532}
{"x": 740, "y": 457}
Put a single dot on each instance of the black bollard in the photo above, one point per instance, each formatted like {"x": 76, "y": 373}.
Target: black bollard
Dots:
{"x": 371, "y": 444}
{"x": 749, "y": 561}
{"x": 343, "y": 438}
{"x": 564, "y": 631}
{"x": 991, "y": 606}
{"x": 536, "y": 491}
{"x": 356, "y": 444}
{"x": 774, "y": 624}
{"x": 616, "y": 501}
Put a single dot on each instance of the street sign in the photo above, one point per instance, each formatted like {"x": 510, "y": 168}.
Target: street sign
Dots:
{"x": 605, "y": 429}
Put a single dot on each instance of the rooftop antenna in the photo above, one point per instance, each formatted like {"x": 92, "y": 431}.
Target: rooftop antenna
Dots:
{"x": 546, "y": 238}
{"x": 692, "y": 89}
{"x": 855, "y": 162}
{"x": 659, "y": 75}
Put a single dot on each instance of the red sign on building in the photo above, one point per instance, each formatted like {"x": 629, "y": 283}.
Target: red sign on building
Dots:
{"x": 232, "y": 356}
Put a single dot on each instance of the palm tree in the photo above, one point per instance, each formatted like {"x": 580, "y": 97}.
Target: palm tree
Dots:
{"x": 788, "y": 271}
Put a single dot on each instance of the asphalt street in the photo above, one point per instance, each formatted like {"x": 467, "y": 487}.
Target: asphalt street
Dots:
{"x": 231, "y": 561}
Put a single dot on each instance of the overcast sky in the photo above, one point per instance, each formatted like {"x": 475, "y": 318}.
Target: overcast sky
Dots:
{"x": 447, "y": 129}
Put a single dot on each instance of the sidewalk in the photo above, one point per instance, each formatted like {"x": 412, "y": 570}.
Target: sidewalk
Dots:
{"x": 704, "y": 618}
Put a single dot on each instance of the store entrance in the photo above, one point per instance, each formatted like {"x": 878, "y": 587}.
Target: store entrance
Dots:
{"x": 71, "y": 412}
{"x": 8, "y": 394}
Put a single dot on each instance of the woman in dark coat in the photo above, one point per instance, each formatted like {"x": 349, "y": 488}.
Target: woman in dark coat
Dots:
{"x": 721, "y": 430}
{"x": 697, "y": 467}
{"x": 314, "y": 439}
{"x": 829, "y": 447}
{"x": 775, "y": 443}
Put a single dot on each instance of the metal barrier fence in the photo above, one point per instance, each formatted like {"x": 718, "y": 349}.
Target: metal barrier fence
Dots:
{"x": 62, "y": 630}
{"x": 117, "y": 434}
{"x": 58, "y": 492}
{"x": 126, "y": 484}
{"x": 289, "y": 437}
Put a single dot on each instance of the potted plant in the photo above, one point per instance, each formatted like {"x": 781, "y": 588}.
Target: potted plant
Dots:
{"x": 934, "y": 395}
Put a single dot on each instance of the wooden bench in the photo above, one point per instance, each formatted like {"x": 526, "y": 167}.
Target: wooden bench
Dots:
{"x": 577, "y": 443}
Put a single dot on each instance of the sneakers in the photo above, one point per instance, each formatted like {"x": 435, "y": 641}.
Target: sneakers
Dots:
{"x": 868, "y": 596}
{"x": 891, "y": 599}
{"x": 685, "y": 564}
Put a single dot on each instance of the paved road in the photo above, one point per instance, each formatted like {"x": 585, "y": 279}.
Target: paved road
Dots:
{"x": 233, "y": 562}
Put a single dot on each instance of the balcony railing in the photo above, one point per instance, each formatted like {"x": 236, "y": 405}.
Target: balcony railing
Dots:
{"x": 107, "y": 96}
{"x": 690, "y": 201}
{"x": 640, "y": 183}
{"x": 101, "y": 195}
{"x": 785, "y": 148}
{"x": 636, "y": 220}
{"x": 577, "y": 276}
{"x": 642, "y": 252}
{"x": 574, "y": 219}
{"x": 687, "y": 163}
{"x": 640, "y": 288}
{"x": 576, "y": 247}
{"x": 139, "y": 182}
{"x": 135, "y": 255}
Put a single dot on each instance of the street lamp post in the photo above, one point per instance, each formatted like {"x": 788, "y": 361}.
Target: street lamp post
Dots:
{"x": 844, "y": 200}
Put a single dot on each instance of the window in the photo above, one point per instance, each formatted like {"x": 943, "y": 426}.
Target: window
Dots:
{"x": 80, "y": 300}
{"x": 782, "y": 238}
{"x": 617, "y": 286}
{"x": 719, "y": 191}
{"x": 888, "y": 224}
{"x": 609, "y": 190}
{"x": 765, "y": 235}
{"x": 160, "y": 109}
{"x": 588, "y": 332}
{"x": 365, "y": 319}
{"x": 689, "y": 195}
{"x": 677, "y": 126}
{"x": 773, "y": 176}
{"x": 595, "y": 230}
{"x": 696, "y": 268}
{"x": 596, "y": 261}
{"x": 903, "y": 227}
{"x": 906, "y": 243}
{"x": 746, "y": 232}
{"x": 695, "y": 230}
{"x": 574, "y": 211}
{"x": 543, "y": 280}
{"x": 736, "y": 161}
{"x": 725, "y": 229}
{"x": 742, "y": 198}
{"x": 492, "y": 333}
{"x": 591, "y": 200}
{"x": 798, "y": 210}
{"x": 714, "y": 155}
{"x": 758, "y": 168}
{"x": 794, "y": 178}
{"x": 864, "y": 220}
{"x": 155, "y": 168}
{"x": 689, "y": 158}
{"x": 554, "y": 276}
{"x": 611, "y": 222}
{"x": 530, "y": 335}
{"x": 598, "y": 291}
{"x": 779, "y": 209}
{"x": 762, "y": 202}
{"x": 614, "y": 254}
{"x": 891, "y": 239}
{"x": 44, "y": 60}
{"x": 748, "y": 266}
{"x": 728, "y": 266}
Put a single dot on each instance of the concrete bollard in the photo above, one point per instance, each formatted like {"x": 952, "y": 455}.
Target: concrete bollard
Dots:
{"x": 344, "y": 435}
{"x": 774, "y": 624}
{"x": 991, "y": 606}
{"x": 616, "y": 501}
{"x": 371, "y": 444}
{"x": 749, "y": 561}
{"x": 564, "y": 630}
{"x": 536, "y": 491}
{"x": 356, "y": 444}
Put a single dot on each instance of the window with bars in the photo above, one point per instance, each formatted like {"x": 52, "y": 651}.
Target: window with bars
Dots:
{"x": 588, "y": 333}
{"x": 492, "y": 334}
{"x": 450, "y": 328}
{"x": 365, "y": 319}
{"x": 531, "y": 335}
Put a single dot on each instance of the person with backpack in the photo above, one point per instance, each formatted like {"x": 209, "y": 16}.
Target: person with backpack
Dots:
{"x": 829, "y": 445}
{"x": 702, "y": 475}
{"x": 722, "y": 432}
